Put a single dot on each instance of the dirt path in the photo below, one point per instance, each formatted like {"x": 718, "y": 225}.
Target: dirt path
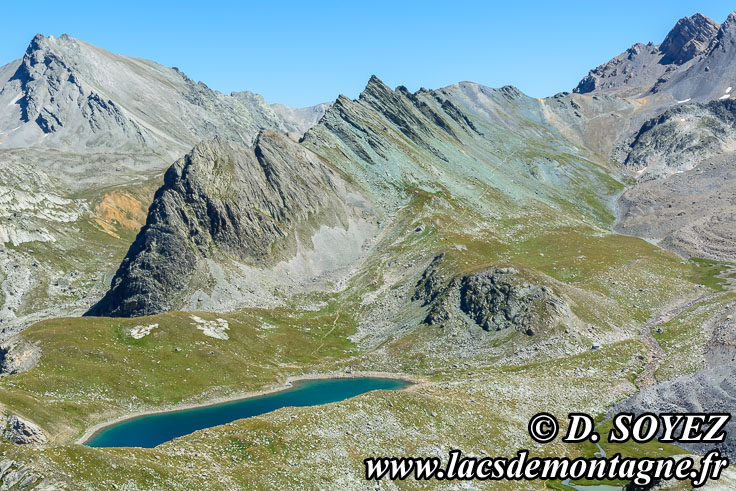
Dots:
{"x": 656, "y": 354}
{"x": 334, "y": 325}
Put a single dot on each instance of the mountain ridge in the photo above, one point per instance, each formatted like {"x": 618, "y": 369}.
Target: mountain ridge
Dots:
{"x": 691, "y": 64}
{"x": 388, "y": 142}
{"x": 66, "y": 93}
{"x": 225, "y": 201}
{"x": 85, "y": 136}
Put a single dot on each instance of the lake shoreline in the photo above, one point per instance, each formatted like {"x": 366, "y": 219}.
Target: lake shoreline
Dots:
{"x": 93, "y": 431}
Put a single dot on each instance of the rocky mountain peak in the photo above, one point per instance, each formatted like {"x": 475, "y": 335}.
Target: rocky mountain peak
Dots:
{"x": 41, "y": 42}
{"x": 727, "y": 30}
{"x": 49, "y": 87}
{"x": 689, "y": 38}
{"x": 730, "y": 21}
{"x": 65, "y": 93}
{"x": 374, "y": 88}
{"x": 62, "y": 49}
{"x": 375, "y": 80}
{"x": 683, "y": 54}
{"x": 224, "y": 201}
{"x": 36, "y": 44}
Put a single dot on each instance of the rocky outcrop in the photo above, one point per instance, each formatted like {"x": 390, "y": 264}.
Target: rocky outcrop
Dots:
{"x": 431, "y": 284}
{"x": 681, "y": 137}
{"x": 689, "y": 38}
{"x": 495, "y": 299}
{"x": 22, "y": 432}
{"x": 630, "y": 74}
{"x": 18, "y": 355}
{"x": 411, "y": 116}
{"x": 15, "y": 475}
{"x": 224, "y": 202}
{"x": 437, "y": 290}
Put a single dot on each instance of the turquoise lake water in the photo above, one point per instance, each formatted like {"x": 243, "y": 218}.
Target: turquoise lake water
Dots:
{"x": 155, "y": 429}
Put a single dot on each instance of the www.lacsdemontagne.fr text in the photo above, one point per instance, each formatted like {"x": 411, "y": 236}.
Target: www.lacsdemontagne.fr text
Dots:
{"x": 544, "y": 428}
{"x": 641, "y": 471}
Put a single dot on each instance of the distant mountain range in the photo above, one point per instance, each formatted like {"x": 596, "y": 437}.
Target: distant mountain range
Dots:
{"x": 69, "y": 95}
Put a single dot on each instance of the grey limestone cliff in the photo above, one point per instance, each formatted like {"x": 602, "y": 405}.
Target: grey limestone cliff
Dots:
{"x": 224, "y": 202}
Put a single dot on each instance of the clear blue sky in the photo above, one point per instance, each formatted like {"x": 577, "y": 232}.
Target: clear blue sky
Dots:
{"x": 305, "y": 52}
